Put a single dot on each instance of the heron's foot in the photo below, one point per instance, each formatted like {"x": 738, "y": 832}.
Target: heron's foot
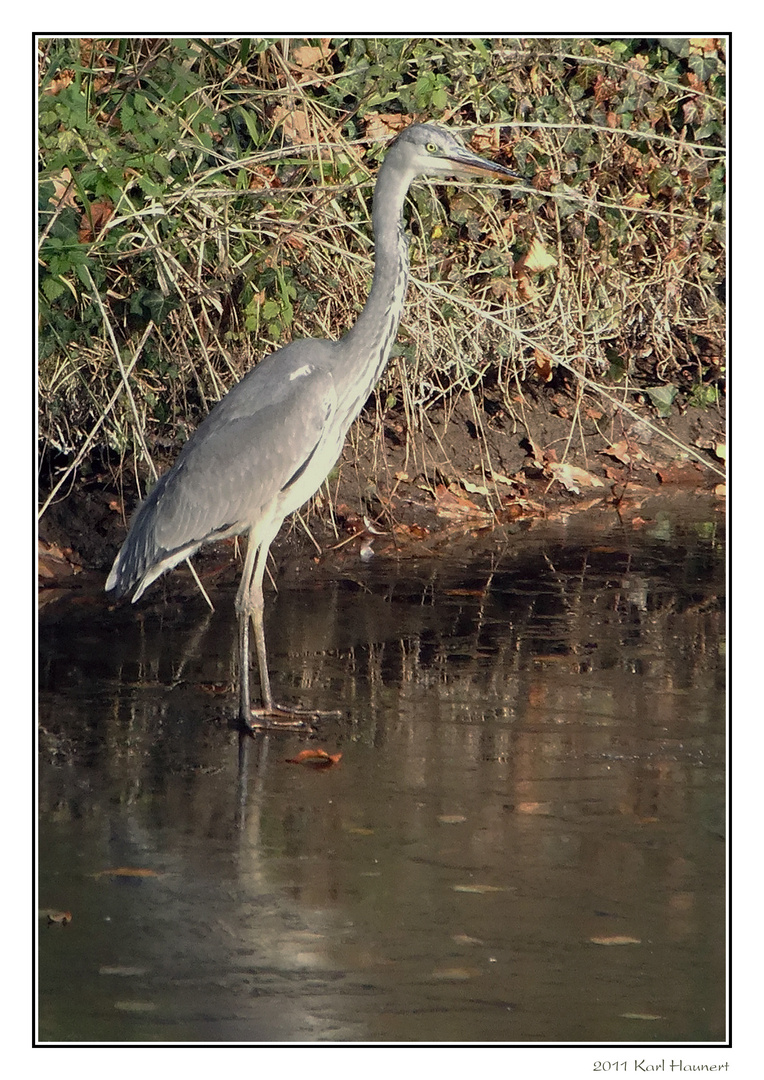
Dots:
{"x": 286, "y": 718}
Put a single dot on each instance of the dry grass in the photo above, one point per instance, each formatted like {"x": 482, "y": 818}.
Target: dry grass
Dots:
{"x": 243, "y": 269}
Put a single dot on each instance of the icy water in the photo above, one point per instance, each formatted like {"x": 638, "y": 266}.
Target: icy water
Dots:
{"x": 522, "y": 842}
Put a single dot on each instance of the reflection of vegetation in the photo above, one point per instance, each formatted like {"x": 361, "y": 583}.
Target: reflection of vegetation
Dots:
{"x": 573, "y": 619}
{"x": 216, "y": 194}
{"x": 532, "y": 755}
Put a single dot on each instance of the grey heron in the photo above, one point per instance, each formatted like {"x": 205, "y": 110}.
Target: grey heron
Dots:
{"x": 268, "y": 445}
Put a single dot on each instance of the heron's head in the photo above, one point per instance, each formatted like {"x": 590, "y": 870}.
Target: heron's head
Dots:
{"x": 427, "y": 150}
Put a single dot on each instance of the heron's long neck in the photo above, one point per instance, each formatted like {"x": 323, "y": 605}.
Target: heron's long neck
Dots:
{"x": 366, "y": 348}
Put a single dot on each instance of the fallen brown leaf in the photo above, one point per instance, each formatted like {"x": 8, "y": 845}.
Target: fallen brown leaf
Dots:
{"x": 383, "y": 125}
{"x": 570, "y": 476}
{"x": 533, "y": 808}
{"x": 64, "y": 191}
{"x": 59, "y": 82}
{"x": 685, "y": 474}
{"x": 92, "y": 224}
{"x": 307, "y": 56}
{"x": 543, "y": 365}
{"x": 638, "y": 199}
{"x": 474, "y": 489}
{"x": 60, "y": 918}
{"x": 413, "y": 531}
{"x": 536, "y": 259}
{"x": 55, "y": 563}
{"x": 526, "y": 288}
{"x": 625, "y": 451}
{"x": 615, "y": 939}
{"x": 317, "y": 759}
{"x": 450, "y": 504}
{"x": 485, "y": 140}
{"x": 263, "y": 177}
{"x": 294, "y": 122}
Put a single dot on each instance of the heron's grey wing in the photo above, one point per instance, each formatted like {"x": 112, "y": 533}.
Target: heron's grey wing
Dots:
{"x": 248, "y": 458}
{"x": 231, "y": 476}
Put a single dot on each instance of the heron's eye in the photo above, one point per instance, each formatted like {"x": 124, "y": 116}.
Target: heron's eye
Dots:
{"x": 431, "y": 148}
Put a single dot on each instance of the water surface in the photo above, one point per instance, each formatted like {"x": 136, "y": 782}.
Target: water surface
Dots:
{"x": 522, "y": 842}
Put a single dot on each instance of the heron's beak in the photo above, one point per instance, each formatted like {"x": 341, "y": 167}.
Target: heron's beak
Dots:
{"x": 472, "y": 165}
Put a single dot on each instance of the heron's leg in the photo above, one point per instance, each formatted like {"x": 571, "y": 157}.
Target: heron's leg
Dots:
{"x": 242, "y": 614}
{"x": 256, "y": 607}
{"x": 250, "y": 604}
{"x": 243, "y": 665}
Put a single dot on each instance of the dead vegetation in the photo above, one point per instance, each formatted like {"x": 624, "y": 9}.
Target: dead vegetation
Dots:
{"x": 205, "y": 201}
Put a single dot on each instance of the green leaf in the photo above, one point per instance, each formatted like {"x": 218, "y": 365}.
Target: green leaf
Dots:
{"x": 703, "y": 396}
{"x": 662, "y": 398}
{"x": 148, "y": 187}
{"x": 661, "y": 178}
{"x": 705, "y": 131}
{"x": 618, "y": 366}
{"x": 151, "y": 304}
{"x": 703, "y": 66}
{"x": 250, "y": 120}
{"x": 53, "y": 287}
{"x": 677, "y": 46}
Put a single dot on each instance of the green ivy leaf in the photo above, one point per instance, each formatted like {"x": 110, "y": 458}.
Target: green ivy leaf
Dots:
{"x": 661, "y": 178}
{"x": 703, "y": 66}
{"x": 662, "y": 398}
